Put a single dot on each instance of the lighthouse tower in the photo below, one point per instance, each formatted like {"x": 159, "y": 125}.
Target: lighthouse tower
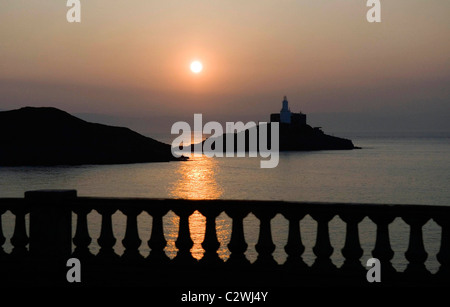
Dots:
{"x": 285, "y": 113}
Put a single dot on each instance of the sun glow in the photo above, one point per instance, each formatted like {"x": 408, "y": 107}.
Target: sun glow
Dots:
{"x": 196, "y": 67}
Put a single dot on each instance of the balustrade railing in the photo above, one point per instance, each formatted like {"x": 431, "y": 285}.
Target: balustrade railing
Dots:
{"x": 46, "y": 240}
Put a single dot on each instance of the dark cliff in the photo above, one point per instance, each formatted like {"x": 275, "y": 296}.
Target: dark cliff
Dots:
{"x": 48, "y": 136}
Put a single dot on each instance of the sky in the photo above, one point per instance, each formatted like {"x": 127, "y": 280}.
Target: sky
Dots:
{"x": 130, "y": 60}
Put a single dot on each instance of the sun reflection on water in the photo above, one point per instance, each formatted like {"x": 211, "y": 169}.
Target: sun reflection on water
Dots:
{"x": 197, "y": 180}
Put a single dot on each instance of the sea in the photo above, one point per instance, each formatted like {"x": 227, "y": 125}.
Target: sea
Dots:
{"x": 403, "y": 169}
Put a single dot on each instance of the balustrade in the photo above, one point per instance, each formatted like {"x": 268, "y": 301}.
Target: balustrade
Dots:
{"x": 382, "y": 215}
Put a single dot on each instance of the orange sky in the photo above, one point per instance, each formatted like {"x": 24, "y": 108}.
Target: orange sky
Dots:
{"x": 132, "y": 57}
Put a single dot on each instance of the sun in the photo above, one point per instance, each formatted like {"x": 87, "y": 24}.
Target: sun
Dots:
{"x": 196, "y": 67}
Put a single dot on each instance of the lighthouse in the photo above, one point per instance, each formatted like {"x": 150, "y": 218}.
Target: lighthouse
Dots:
{"x": 285, "y": 113}
{"x": 287, "y": 117}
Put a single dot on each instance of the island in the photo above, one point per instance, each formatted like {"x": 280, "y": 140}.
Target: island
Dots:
{"x": 48, "y": 136}
{"x": 297, "y": 135}
{"x": 294, "y": 134}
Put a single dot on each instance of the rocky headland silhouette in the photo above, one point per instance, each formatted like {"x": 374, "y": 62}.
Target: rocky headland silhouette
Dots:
{"x": 291, "y": 138}
{"x": 48, "y": 136}
{"x": 294, "y": 134}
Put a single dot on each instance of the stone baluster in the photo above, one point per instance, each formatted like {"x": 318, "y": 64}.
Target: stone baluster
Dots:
{"x": 20, "y": 238}
{"x": 237, "y": 245}
{"x": 82, "y": 239}
{"x": 131, "y": 241}
{"x": 443, "y": 256}
{"x": 383, "y": 251}
{"x": 352, "y": 250}
{"x": 294, "y": 247}
{"x": 416, "y": 254}
{"x": 106, "y": 241}
{"x": 211, "y": 244}
{"x": 184, "y": 241}
{"x": 2, "y": 237}
{"x": 157, "y": 241}
{"x": 265, "y": 246}
{"x": 323, "y": 249}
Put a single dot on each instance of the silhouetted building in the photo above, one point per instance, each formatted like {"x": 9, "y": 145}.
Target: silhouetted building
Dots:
{"x": 287, "y": 117}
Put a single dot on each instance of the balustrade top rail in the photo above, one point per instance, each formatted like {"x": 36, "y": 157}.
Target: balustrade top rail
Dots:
{"x": 149, "y": 204}
{"x": 50, "y": 235}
